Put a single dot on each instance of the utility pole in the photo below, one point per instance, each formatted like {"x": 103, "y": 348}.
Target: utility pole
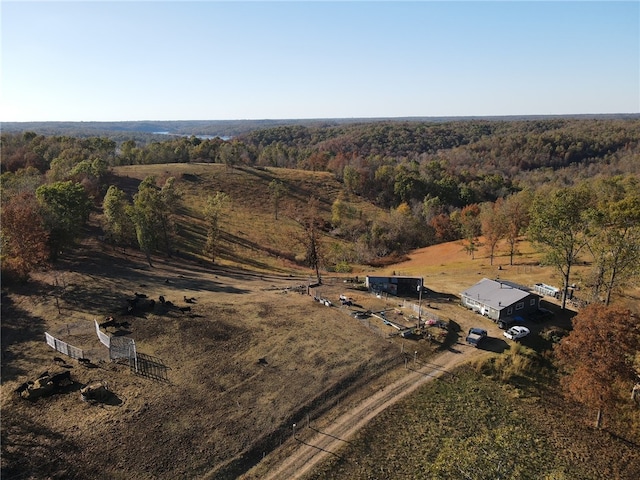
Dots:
{"x": 419, "y": 301}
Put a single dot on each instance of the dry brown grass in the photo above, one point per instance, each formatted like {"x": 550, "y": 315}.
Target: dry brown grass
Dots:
{"x": 220, "y": 409}
{"x": 219, "y": 401}
{"x": 252, "y": 237}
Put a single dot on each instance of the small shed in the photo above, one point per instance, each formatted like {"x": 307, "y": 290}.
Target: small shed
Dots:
{"x": 395, "y": 285}
{"x": 500, "y": 299}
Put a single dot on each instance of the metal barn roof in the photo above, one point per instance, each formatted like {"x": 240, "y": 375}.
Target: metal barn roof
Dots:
{"x": 496, "y": 294}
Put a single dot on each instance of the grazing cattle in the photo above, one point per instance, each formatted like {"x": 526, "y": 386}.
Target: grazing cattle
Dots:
{"x": 150, "y": 305}
{"x": 140, "y": 295}
{"x": 60, "y": 378}
{"x": 58, "y": 360}
{"x": 112, "y": 323}
{"x": 23, "y": 387}
{"x": 109, "y": 322}
{"x": 189, "y": 300}
{"x": 262, "y": 361}
{"x": 133, "y": 301}
{"x": 161, "y": 299}
{"x": 45, "y": 385}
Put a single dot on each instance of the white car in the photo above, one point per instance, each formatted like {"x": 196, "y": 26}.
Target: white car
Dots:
{"x": 515, "y": 333}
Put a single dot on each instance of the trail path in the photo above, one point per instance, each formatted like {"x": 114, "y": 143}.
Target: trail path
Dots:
{"x": 310, "y": 451}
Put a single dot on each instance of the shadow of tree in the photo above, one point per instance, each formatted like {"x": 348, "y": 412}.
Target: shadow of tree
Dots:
{"x": 492, "y": 344}
{"x": 32, "y": 450}
{"x": 18, "y": 327}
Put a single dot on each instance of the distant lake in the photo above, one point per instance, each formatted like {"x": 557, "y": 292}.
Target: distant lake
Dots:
{"x": 201, "y": 137}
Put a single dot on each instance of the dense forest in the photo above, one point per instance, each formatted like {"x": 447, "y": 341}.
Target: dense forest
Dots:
{"x": 440, "y": 181}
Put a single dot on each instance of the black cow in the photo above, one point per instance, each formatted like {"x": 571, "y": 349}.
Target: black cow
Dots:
{"x": 23, "y": 387}
{"x": 110, "y": 322}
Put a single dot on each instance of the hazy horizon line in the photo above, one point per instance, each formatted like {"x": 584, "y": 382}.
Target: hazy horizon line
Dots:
{"x": 267, "y": 119}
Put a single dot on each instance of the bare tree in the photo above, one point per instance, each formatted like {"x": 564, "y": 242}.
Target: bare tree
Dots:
{"x": 311, "y": 237}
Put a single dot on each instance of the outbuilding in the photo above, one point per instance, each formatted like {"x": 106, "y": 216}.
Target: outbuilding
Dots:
{"x": 500, "y": 300}
{"x": 395, "y": 285}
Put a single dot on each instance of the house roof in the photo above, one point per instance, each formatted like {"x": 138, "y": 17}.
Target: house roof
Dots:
{"x": 496, "y": 294}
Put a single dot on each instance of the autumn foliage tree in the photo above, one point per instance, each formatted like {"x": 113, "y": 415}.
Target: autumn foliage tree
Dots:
{"x": 597, "y": 357}
{"x": 443, "y": 227}
{"x": 471, "y": 227}
{"x": 515, "y": 211}
{"x": 23, "y": 235}
{"x": 494, "y": 225}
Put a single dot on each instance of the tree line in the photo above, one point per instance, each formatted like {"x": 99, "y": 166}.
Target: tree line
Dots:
{"x": 438, "y": 181}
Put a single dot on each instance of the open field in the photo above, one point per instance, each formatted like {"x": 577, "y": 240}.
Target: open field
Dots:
{"x": 219, "y": 409}
{"x": 469, "y": 426}
{"x": 217, "y": 403}
{"x": 216, "y": 407}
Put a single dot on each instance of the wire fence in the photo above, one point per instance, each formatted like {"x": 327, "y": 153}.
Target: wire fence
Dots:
{"x": 122, "y": 347}
{"x": 63, "y": 347}
{"x": 149, "y": 366}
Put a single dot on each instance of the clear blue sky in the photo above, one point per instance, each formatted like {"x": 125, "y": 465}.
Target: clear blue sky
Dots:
{"x": 207, "y": 60}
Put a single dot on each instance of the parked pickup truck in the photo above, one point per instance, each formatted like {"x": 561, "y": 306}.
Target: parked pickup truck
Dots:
{"x": 476, "y": 336}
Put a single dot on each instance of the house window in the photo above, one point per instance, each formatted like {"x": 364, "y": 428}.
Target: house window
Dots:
{"x": 519, "y": 305}
{"x": 509, "y": 311}
{"x": 532, "y": 302}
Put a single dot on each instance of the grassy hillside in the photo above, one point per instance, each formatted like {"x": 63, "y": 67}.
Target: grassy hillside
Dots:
{"x": 252, "y": 237}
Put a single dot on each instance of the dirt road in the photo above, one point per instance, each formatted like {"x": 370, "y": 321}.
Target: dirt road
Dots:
{"x": 313, "y": 449}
